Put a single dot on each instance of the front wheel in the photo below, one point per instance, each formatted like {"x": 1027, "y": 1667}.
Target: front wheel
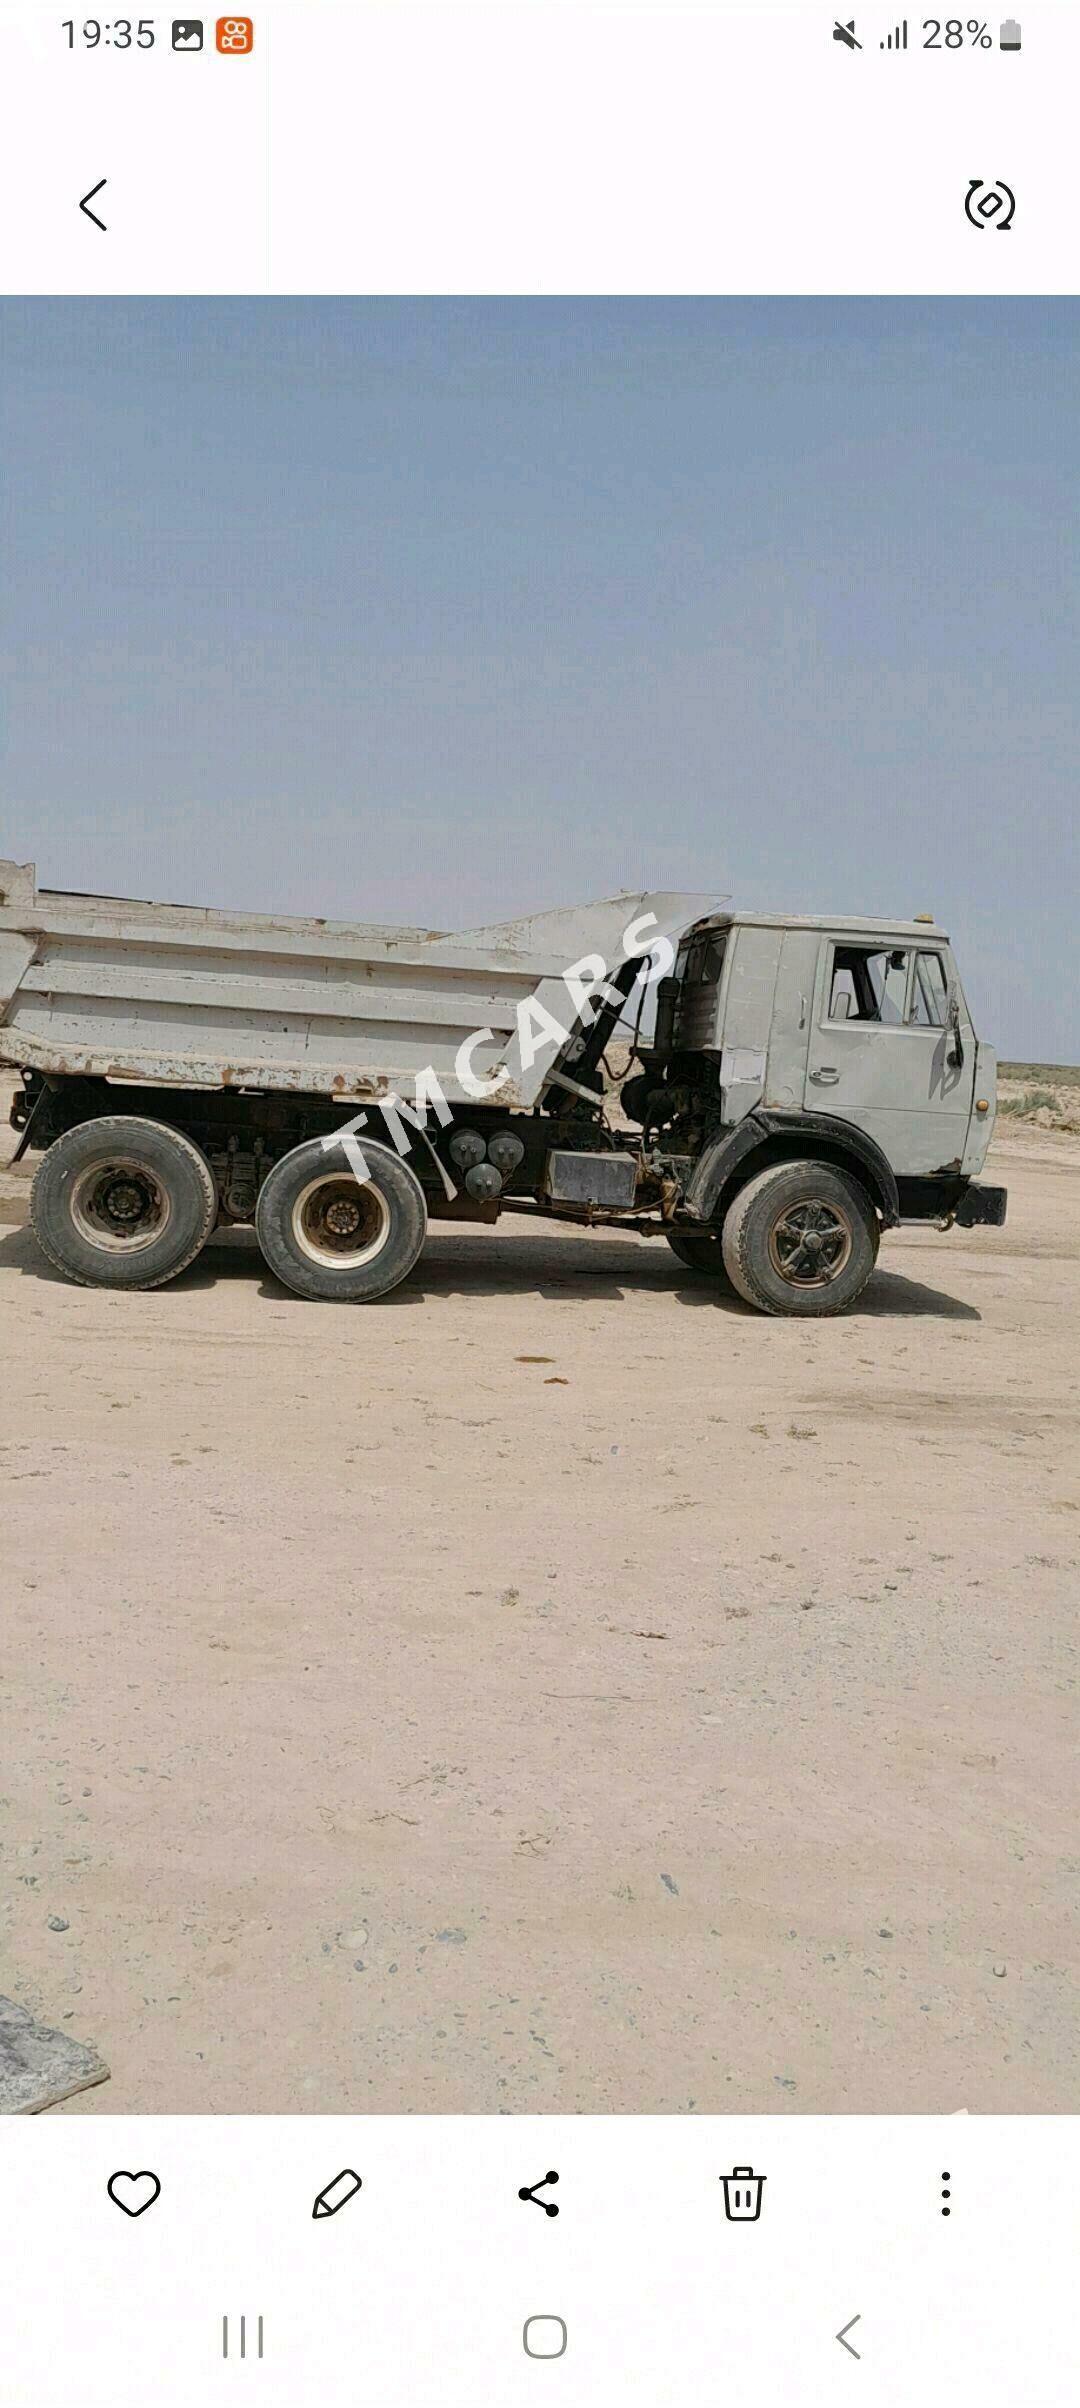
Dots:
{"x": 332, "y": 1237}
{"x": 801, "y": 1238}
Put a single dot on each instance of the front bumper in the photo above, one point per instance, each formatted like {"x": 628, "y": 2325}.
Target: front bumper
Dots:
{"x": 982, "y": 1205}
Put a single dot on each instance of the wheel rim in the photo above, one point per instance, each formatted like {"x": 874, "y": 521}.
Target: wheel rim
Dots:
{"x": 810, "y": 1243}
{"x": 120, "y": 1206}
{"x": 340, "y": 1223}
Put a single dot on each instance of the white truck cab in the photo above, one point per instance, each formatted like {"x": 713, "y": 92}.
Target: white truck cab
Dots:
{"x": 862, "y": 1020}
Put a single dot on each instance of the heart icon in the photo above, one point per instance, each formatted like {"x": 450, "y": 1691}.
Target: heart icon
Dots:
{"x": 134, "y": 2192}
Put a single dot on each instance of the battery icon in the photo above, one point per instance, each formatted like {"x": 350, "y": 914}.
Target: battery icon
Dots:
{"x": 1010, "y": 34}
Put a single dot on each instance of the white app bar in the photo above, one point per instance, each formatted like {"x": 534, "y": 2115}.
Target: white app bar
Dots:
{"x": 394, "y": 2261}
{"x": 543, "y": 146}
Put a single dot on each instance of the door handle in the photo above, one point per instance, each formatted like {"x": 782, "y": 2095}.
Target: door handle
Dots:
{"x": 826, "y": 1076}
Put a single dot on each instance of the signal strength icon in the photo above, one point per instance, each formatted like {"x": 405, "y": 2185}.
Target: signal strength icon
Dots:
{"x": 897, "y": 40}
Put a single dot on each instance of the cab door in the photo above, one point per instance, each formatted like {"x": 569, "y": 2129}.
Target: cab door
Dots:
{"x": 892, "y": 1049}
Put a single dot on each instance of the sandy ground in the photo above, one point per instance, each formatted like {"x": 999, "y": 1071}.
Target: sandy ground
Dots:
{"x": 1043, "y": 1100}
{"x": 555, "y": 1687}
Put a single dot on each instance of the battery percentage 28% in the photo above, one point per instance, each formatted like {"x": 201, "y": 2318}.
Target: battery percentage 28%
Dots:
{"x": 956, "y": 33}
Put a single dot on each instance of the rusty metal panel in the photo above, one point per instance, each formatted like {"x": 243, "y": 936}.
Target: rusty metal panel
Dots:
{"x": 602, "y": 1179}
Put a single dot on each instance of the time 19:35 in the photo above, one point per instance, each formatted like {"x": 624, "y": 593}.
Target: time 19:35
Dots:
{"x": 124, "y": 33}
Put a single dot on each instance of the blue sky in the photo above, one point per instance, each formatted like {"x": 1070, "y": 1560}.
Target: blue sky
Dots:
{"x": 439, "y": 610}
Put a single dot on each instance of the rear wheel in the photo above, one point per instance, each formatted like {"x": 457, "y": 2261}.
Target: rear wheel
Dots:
{"x": 700, "y": 1250}
{"x": 801, "y": 1238}
{"x": 122, "y": 1203}
{"x": 332, "y": 1237}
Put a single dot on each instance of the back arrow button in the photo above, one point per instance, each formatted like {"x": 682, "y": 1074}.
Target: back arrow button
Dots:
{"x": 84, "y": 204}
{"x": 846, "y": 2328}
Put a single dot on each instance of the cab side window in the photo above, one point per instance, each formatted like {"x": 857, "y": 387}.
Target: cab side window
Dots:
{"x": 929, "y": 992}
{"x": 868, "y": 984}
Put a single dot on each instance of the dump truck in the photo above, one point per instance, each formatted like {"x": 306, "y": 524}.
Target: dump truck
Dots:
{"x": 790, "y": 1089}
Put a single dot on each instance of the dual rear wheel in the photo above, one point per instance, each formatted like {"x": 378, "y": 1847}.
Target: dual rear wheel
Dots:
{"x": 123, "y": 1202}
{"x": 330, "y": 1235}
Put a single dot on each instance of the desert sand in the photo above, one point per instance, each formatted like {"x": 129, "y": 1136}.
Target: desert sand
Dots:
{"x": 555, "y": 1687}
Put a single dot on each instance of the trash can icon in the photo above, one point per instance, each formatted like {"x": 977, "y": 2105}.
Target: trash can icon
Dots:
{"x": 742, "y": 2195}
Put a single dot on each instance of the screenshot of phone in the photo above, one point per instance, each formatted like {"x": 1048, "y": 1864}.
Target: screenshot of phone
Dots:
{"x": 539, "y": 1204}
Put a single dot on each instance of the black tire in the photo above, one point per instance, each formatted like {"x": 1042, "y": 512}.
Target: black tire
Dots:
{"x": 801, "y": 1238}
{"x": 700, "y": 1250}
{"x": 122, "y": 1203}
{"x": 360, "y": 1258}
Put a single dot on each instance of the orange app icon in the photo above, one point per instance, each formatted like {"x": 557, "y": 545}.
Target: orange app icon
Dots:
{"x": 236, "y": 35}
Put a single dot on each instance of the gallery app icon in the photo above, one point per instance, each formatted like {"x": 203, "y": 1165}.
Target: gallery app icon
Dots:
{"x": 235, "y": 35}
{"x": 187, "y": 33}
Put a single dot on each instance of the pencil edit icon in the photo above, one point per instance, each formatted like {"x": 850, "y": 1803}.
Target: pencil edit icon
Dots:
{"x": 337, "y": 2193}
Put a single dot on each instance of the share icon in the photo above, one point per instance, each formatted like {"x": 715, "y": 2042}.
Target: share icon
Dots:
{"x": 549, "y": 2206}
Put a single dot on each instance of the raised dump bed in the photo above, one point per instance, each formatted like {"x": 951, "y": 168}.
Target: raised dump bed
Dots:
{"x": 173, "y": 995}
